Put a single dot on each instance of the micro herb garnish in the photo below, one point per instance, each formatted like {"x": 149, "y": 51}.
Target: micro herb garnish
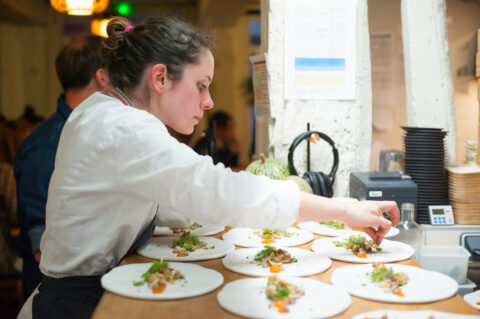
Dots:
{"x": 264, "y": 253}
{"x": 186, "y": 241}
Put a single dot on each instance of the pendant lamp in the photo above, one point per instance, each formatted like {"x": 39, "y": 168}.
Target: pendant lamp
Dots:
{"x": 79, "y": 7}
{"x": 99, "y": 27}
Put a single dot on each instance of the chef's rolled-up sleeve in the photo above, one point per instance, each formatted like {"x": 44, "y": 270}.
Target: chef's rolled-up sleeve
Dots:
{"x": 154, "y": 165}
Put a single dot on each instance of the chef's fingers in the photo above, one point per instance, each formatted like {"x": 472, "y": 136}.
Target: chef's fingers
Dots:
{"x": 371, "y": 232}
{"x": 391, "y": 208}
{"x": 380, "y": 233}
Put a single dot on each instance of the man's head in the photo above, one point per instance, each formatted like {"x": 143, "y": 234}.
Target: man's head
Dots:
{"x": 78, "y": 61}
{"x": 223, "y": 124}
{"x": 80, "y": 68}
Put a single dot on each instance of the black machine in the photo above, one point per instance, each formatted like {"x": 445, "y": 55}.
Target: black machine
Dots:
{"x": 321, "y": 183}
{"x": 383, "y": 186}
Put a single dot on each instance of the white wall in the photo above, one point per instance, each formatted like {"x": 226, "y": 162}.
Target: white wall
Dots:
{"x": 348, "y": 123}
{"x": 388, "y": 77}
{"x": 27, "y": 64}
{"x": 427, "y": 69}
{"x": 389, "y": 99}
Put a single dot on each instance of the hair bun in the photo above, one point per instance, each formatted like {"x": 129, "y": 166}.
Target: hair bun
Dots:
{"x": 116, "y": 29}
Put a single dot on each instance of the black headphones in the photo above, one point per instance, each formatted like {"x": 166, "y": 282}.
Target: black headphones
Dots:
{"x": 322, "y": 184}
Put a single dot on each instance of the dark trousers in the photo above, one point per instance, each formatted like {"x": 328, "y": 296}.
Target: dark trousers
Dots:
{"x": 68, "y": 297}
{"x": 74, "y": 297}
{"x": 31, "y": 276}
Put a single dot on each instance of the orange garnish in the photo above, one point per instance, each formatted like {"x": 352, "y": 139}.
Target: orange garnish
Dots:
{"x": 181, "y": 254}
{"x": 267, "y": 240}
{"x": 275, "y": 268}
{"x": 280, "y": 305}
{"x": 159, "y": 289}
{"x": 478, "y": 303}
{"x": 364, "y": 255}
{"x": 378, "y": 265}
{"x": 399, "y": 293}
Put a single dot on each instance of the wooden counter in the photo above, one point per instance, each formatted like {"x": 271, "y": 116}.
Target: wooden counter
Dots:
{"x": 206, "y": 306}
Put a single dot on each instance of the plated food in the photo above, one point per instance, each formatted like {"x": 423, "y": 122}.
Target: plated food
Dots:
{"x": 188, "y": 243}
{"x": 359, "y": 245}
{"x": 200, "y": 229}
{"x": 273, "y": 258}
{"x": 158, "y": 276}
{"x": 301, "y": 297}
{"x": 362, "y": 250}
{"x": 197, "y": 280}
{"x": 386, "y": 278}
{"x": 249, "y": 237}
{"x": 422, "y": 285}
{"x": 281, "y": 294}
{"x": 193, "y": 226}
{"x": 185, "y": 248}
{"x": 270, "y": 236}
{"x": 337, "y": 229}
{"x": 305, "y": 263}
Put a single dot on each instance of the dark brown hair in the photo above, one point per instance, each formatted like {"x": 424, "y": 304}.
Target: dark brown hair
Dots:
{"x": 78, "y": 61}
{"x": 166, "y": 40}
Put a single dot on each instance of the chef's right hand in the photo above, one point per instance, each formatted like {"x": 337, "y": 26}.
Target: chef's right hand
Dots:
{"x": 368, "y": 215}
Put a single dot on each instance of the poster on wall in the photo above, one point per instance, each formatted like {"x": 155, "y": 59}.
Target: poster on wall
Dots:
{"x": 260, "y": 88}
{"x": 320, "y": 49}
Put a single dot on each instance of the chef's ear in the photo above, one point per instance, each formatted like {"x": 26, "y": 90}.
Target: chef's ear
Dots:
{"x": 158, "y": 78}
{"x": 103, "y": 80}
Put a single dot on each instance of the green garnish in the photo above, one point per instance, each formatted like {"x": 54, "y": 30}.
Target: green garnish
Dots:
{"x": 193, "y": 226}
{"x": 264, "y": 253}
{"x": 380, "y": 274}
{"x": 157, "y": 265}
{"x": 269, "y": 232}
{"x": 358, "y": 244}
{"x": 186, "y": 241}
{"x": 282, "y": 292}
{"x": 333, "y": 224}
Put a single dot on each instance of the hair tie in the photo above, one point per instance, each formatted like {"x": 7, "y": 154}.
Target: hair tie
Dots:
{"x": 129, "y": 28}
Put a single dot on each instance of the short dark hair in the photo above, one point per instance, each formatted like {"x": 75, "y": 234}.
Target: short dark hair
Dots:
{"x": 78, "y": 61}
{"x": 220, "y": 119}
{"x": 128, "y": 50}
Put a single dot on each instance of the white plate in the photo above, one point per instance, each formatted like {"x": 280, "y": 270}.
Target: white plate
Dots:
{"x": 417, "y": 314}
{"x": 308, "y": 263}
{"x": 473, "y": 298}
{"x": 207, "y": 229}
{"x": 317, "y": 228}
{"x": 246, "y": 237}
{"x": 160, "y": 247}
{"x": 246, "y": 297}
{"x": 198, "y": 281}
{"x": 391, "y": 251}
{"x": 423, "y": 285}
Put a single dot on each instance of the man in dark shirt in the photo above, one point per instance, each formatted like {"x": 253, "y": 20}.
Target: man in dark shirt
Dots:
{"x": 79, "y": 67}
{"x": 219, "y": 141}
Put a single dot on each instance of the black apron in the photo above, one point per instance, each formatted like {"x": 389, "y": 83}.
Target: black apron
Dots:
{"x": 75, "y": 297}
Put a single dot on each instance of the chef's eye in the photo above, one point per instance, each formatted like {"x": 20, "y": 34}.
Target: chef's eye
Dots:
{"x": 201, "y": 87}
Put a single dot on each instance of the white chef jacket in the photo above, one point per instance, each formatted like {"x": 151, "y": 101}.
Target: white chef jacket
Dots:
{"x": 115, "y": 164}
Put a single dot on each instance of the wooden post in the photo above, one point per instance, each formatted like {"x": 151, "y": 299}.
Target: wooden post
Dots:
{"x": 477, "y": 75}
